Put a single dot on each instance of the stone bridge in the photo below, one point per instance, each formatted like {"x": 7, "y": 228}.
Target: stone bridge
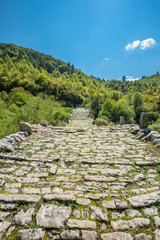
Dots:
{"x": 80, "y": 182}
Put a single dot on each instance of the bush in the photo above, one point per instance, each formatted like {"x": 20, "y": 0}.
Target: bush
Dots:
{"x": 156, "y": 126}
{"x": 114, "y": 110}
{"x": 123, "y": 110}
{"x": 20, "y": 98}
{"x": 33, "y": 111}
{"x": 153, "y": 116}
{"x": 101, "y": 122}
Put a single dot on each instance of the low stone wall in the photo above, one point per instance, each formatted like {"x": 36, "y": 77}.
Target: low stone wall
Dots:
{"x": 146, "y": 134}
{"x": 10, "y": 142}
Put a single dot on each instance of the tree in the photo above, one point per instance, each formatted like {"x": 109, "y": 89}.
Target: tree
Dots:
{"x": 123, "y": 79}
{"x": 96, "y": 105}
{"x": 138, "y": 105}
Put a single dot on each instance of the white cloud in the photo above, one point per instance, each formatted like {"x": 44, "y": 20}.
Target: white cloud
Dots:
{"x": 130, "y": 78}
{"x": 106, "y": 59}
{"x": 132, "y": 45}
{"x": 147, "y": 43}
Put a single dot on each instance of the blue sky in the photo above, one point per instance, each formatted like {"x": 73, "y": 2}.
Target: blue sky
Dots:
{"x": 105, "y": 38}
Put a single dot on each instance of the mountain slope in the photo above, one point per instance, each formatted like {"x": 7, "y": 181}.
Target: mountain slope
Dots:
{"x": 37, "y": 72}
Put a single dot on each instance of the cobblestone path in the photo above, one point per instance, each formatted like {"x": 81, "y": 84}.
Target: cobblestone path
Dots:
{"x": 74, "y": 183}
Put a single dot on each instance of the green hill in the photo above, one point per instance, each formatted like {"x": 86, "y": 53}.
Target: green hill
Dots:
{"x": 36, "y": 86}
{"x": 37, "y": 72}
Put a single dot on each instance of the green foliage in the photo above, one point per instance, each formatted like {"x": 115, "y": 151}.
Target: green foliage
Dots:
{"x": 114, "y": 110}
{"x": 33, "y": 111}
{"x": 107, "y": 109}
{"x": 96, "y": 105}
{"x": 156, "y": 126}
{"x": 138, "y": 104}
{"x": 153, "y": 116}
{"x": 40, "y": 73}
{"x": 101, "y": 122}
{"x": 57, "y": 86}
{"x": 20, "y": 98}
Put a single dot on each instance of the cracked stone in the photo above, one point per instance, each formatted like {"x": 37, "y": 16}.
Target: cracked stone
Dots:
{"x": 18, "y": 198}
{"x": 83, "y": 201}
{"x": 130, "y": 224}
{"x": 30, "y": 234}
{"x": 61, "y": 197}
{"x": 150, "y": 211}
{"x": 145, "y": 200}
{"x": 73, "y": 223}
{"x": 157, "y": 234}
{"x": 3, "y": 227}
{"x": 52, "y": 216}
{"x": 114, "y": 204}
{"x": 133, "y": 213}
{"x": 143, "y": 236}
{"x": 99, "y": 213}
{"x": 157, "y": 221}
{"x": 24, "y": 218}
{"x": 89, "y": 235}
{"x": 3, "y": 215}
{"x": 118, "y": 215}
{"x": 116, "y": 236}
{"x": 70, "y": 234}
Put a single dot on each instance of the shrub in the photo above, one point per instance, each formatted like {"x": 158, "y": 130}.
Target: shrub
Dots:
{"x": 153, "y": 116}
{"x": 101, "y": 122}
{"x": 156, "y": 126}
{"x": 20, "y": 98}
{"x": 114, "y": 110}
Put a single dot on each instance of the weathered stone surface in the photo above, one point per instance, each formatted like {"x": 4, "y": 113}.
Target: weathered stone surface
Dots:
{"x": 2, "y": 183}
{"x": 9, "y": 231}
{"x": 130, "y": 224}
{"x": 8, "y": 206}
{"x": 52, "y": 216}
{"x": 145, "y": 200}
{"x": 118, "y": 215}
{"x": 133, "y": 213}
{"x": 3, "y": 227}
{"x": 150, "y": 211}
{"x": 157, "y": 221}
{"x": 24, "y": 218}
{"x": 3, "y": 215}
{"x": 99, "y": 213}
{"x": 83, "y": 201}
{"x": 44, "y": 123}
{"x": 96, "y": 196}
{"x": 70, "y": 234}
{"x": 157, "y": 234}
{"x": 139, "y": 177}
{"x": 99, "y": 178}
{"x": 116, "y": 236}
{"x": 143, "y": 120}
{"x": 122, "y": 120}
{"x": 79, "y": 171}
{"x": 114, "y": 204}
{"x": 53, "y": 169}
{"x": 29, "y": 234}
{"x": 80, "y": 224}
{"x": 18, "y": 198}
{"x": 89, "y": 235}
{"x": 31, "y": 190}
{"x": 63, "y": 197}
{"x": 24, "y": 126}
{"x": 13, "y": 185}
{"x": 143, "y": 236}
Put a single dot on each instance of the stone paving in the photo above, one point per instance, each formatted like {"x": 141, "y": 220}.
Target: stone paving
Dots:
{"x": 80, "y": 183}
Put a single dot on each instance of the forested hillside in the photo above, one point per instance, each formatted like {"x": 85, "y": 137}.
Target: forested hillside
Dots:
{"x": 35, "y": 86}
